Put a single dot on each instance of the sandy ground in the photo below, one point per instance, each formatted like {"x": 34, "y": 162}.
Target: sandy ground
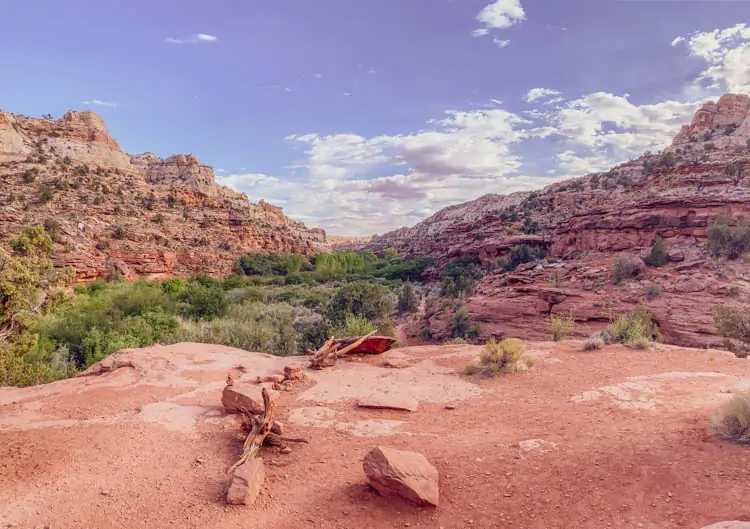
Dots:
{"x": 615, "y": 438}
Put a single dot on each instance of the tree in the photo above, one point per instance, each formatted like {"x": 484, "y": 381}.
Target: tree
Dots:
{"x": 407, "y": 299}
{"x": 28, "y": 280}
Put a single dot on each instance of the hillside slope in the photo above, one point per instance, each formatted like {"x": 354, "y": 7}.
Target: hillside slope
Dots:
{"x": 135, "y": 216}
{"x": 583, "y": 223}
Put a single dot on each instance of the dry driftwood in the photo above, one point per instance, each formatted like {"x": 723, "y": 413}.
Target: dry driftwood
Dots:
{"x": 262, "y": 430}
{"x": 331, "y": 351}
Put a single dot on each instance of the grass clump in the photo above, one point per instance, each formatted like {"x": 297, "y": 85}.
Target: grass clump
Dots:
{"x": 504, "y": 357}
{"x": 560, "y": 327}
{"x": 592, "y": 344}
{"x": 734, "y": 326}
{"x": 624, "y": 267}
{"x": 631, "y": 327}
{"x": 732, "y": 421}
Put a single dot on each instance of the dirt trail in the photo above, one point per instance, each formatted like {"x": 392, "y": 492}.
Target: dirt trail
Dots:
{"x": 615, "y": 438}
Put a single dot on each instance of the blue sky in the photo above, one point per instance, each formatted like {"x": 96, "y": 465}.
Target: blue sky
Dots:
{"x": 361, "y": 116}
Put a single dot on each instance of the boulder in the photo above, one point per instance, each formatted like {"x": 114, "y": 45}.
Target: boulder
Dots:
{"x": 247, "y": 479}
{"x": 295, "y": 372}
{"x": 390, "y": 402}
{"x": 408, "y": 475}
{"x": 236, "y": 397}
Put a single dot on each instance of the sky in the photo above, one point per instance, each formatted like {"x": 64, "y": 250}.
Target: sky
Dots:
{"x": 362, "y": 116}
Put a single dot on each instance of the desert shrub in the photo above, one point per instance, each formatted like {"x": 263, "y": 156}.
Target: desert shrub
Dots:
{"x": 653, "y": 290}
{"x": 728, "y": 239}
{"x": 732, "y": 421}
{"x": 361, "y": 299}
{"x": 425, "y": 334}
{"x": 249, "y": 326}
{"x": 592, "y": 344}
{"x": 520, "y": 254}
{"x": 631, "y": 327}
{"x": 504, "y": 357}
{"x": 270, "y": 264}
{"x": 460, "y": 323}
{"x": 52, "y": 227}
{"x": 102, "y": 244}
{"x": 21, "y": 366}
{"x": 354, "y": 325}
{"x": 624, "y": 267}
{"x": 29, "y": 175}
{"x": 407, "y": 299}
{"x": 642, "y": 344}
{"x": 118, "y": 232}
{"x": 201, "y": 302}
{"x": 45, "y": 193}
{"x": 734, "y": 326}
{"x": 560, "y": 327}
{"x": 658, "y": 255}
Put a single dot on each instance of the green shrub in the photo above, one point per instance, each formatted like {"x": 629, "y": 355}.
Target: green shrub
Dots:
{"x": 732, "y": 422}
{"x": 504, "y": 357}
{"x": 522, "y": 253}
{"x": 728, "y": 238}
{"x": 734, "y": 326}
{"x": 52, "y": 227}
{"x": 174, "y": 286}
{"x": 657, "y": 257}
{"x": 405, "y": 270}
{"x": 270, "y": 264}
{"x": 201, "y": 302}
{"x": 560, "y": 327}
{"x": 631, "y": 327}
{"x": 354, "y": 325}
{"x": 45, "y": 193}
{"x": 361, "y": 299}
{"x": 653, "y": 290}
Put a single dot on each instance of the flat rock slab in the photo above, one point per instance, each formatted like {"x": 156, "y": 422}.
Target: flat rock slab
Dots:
{"x": 408, "y": 475}
{"x": 247, "y": 479}
{"x": 390, "y": 402}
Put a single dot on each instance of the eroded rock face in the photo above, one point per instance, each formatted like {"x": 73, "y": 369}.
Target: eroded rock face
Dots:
{"x": 583, "y": 223}
{"x": 405, "y": 474}
{"x": 134, "y": 216}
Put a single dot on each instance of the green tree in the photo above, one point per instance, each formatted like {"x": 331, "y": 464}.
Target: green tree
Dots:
{"x": 361, "y": 299}
{"x": 28, "y": 280}
{"x": 407, "y": 299}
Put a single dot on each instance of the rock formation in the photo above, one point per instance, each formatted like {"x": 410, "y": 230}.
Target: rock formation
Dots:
{"x": 131, "y": 216}
{"x": 583, "y": 223}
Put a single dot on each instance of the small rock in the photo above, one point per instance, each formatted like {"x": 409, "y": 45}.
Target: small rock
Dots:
{"x": 406, "y": 474}
{"x": 237, "y": 397}
{"x": 395, "y": 363}
{"x": 104, "y": 493}
{"x": 247, "y": 480}
{"x": 390, "y": 402}
{"x": 450, "y": 407}
{"x": 285, "y": 450}
{"x": 295, "y": 372}
{"x": 676, "y": 255}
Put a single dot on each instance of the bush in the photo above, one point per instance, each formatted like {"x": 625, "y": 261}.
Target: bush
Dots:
{"x": 625, "y": 267}
{"x": 270, "y": 264}
{"x": 631, "y": 327}
{"x": 354, "y": 326}
{"x": 407, "y": 299}
{"x": 250, "y": 326}
{"x": 728, "y": 240}
{"x": 361, "y": 299}
{"x": 460, "y": 324}
{"x": 405, "y": 270}
{"x": 560, "y": 327}
{"x": 657, "y": 257}
{"x": 46, "y": 193}
{"x": 520, "y": 254}
{"x": 52, "y": 227}
{"x": 642, "y": 344}
{"x": 592, "y": 344}
{"x": 201, "y": 302}
{"x": 734, "y": 326}
{"x": 653, "y": 290}
{"x": 732, "y": 422}
{"x": 504, "y": 357}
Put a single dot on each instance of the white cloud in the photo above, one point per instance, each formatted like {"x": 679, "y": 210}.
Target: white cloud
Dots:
{"x": 500, "y": 43}
{"x": 500, "y": 14}
{"x": 100, "y": 103}
{"x": 540, "y": 93}
{"x": 677, "y": 40}
{"x": 193, "y": 39}
{"x": 727, "y": 52}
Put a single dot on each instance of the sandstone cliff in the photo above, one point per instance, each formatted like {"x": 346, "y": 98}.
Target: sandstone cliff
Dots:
{"x": 583, "y": 223}
{"x": 134, "y": 216}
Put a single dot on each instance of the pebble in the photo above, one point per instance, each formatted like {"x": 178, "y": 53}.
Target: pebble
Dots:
{"x": 286, "y": 450}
